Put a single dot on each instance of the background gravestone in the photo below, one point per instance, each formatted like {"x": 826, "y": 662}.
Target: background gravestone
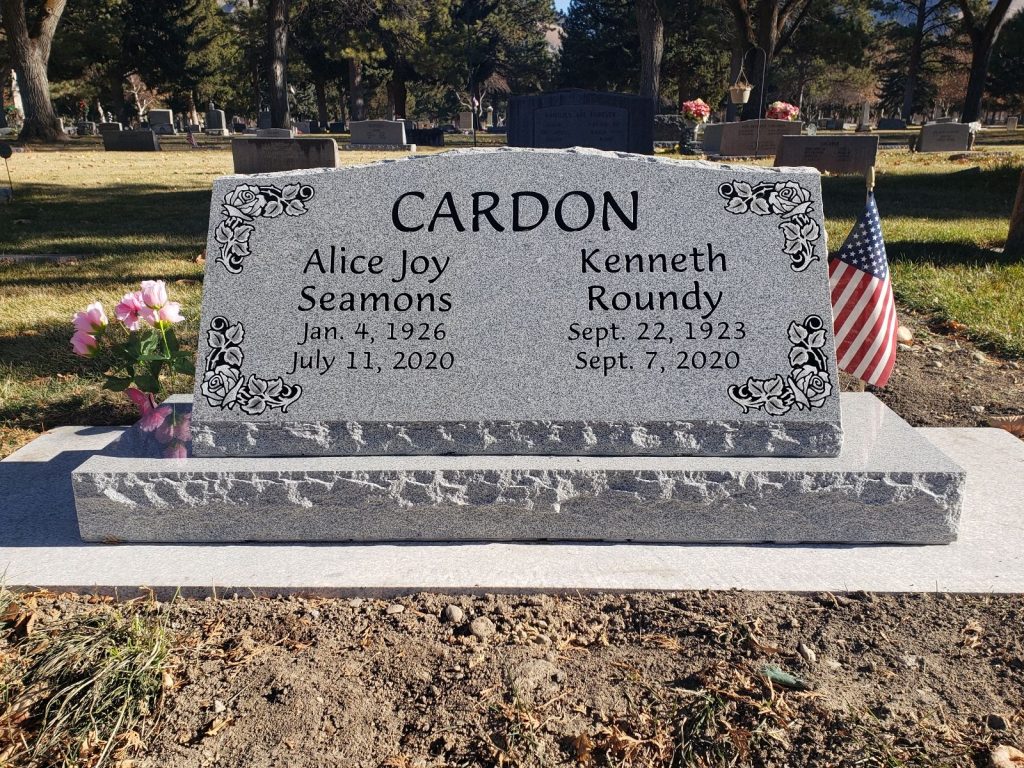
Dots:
{"x": 262, "y": 155}
{"x": 755, "y": 138}
{"x": 711, "y": 139}
{"x": 217, "y": 123}
{"x": 668, "y": 128}
{"x": 105, "y": 127}
{"x": 161, "y": 121}
{"x": 944, "y": 137}
{"x": 891, "y": 124}
{"x": 379, "y": 134}
{"x": 609, "y": 121}
{"x": 131, "y": 141}
{"x": 593, "y": 304}
{"x": 834, "y": 154}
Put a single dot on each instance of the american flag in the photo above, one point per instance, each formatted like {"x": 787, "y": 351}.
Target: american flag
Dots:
{"x": 862, "y": 303}
{"x": 192, "y": 140}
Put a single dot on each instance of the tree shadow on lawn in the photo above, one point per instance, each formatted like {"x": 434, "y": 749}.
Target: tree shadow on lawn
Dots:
{"x": 968, "y": 193}
{"x": 103, "y": 219}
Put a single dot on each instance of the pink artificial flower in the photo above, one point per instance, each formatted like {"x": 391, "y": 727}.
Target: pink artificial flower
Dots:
{"x": 168, "y": 313}
{"x": 91, "y": 320}
{"x": 144, "y": 400}
{"x": 176, "y": 451}
{"x": 177, "y": 427}
{"x": 84, "y": 344}
{"x": 153, "y": 293}
{"x": 154, "y": 418}
{"x": 128, "y": 311}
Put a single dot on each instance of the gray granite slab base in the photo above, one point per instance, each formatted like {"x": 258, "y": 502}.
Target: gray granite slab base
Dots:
{"x": 888, "y": 485}
{"x": 40, "y": 546}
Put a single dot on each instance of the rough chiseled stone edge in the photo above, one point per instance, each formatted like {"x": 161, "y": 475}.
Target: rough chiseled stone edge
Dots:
{"x": 519, "y": 504}
{"x": 652, "y": 438}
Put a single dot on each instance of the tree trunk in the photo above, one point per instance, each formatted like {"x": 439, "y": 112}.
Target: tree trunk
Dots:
{"x": 1015, "y": 240}
{"x": 320, "y": 88}
{"x": 277, "y": 31}
{"x": 980, "y": 57}
{"x": 30, "y": 54}
{"x": 356, "y": 105}
{"x": 983, "y": 34}
{"x": 652, "y": 46}
{"x": 758, "y": 64}
{"x": 398, "y": 95}
{"x": 914, "y": 65}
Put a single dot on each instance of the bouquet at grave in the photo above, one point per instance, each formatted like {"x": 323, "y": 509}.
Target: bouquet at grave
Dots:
{"x": 696, "y": 110}
{"x": 781, "y": 110}
{"x": 139, "y": 348}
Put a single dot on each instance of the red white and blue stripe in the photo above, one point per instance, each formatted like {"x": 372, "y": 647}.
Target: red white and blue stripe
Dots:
{"x": 863, "y": 309}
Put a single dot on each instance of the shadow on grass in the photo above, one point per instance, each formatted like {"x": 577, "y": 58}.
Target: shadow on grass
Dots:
{"x": 969, "y": 193}
{"x": 102, "y": 219}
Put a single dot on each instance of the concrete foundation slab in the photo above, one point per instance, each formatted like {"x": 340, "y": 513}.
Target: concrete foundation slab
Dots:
{"x": 888, "y": 485}
{"x": 40, "y": 546}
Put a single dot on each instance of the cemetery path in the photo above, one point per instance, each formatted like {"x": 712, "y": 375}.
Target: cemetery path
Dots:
{"x": 599, "y": 680}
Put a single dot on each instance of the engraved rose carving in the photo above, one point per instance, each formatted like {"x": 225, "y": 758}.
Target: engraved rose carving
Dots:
{"x": 786, "y": 199}
{"x": 221, "y": 385}
{"x": 808, "y": 384}
{"x": 810, "y": 388}
{"x": 246, "y": 203}
{"x": 789, "y": 199}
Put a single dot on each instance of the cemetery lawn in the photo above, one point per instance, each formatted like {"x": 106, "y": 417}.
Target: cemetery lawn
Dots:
{"x": 127, "y": 217}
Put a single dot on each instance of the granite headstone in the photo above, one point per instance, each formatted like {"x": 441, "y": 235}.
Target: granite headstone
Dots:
{"x": 216, "y": 123}
{"x": 106, "y": 127}
{"x": 1011, "y": 123}
{"x": 832, "y": 154}
{"x": 161, "y": 121}
{"x": 131, "y": 141}
{"x": 610, "y": 121}
{"x": 668, "y": 128}
{"x": 379, "y": 134}
{"x": 755, "y": 138}
{"x": 262, "y": 155}
{"x": 516, "y": 301}
{"x": 944, "y": 137}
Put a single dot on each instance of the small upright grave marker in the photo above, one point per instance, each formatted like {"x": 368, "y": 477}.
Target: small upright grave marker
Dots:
{"x": 379, "y": 135}
{"x": 262, "y": 155}
{"x": 944, "y": 137}
{"x": 832, "y": 154}
{"x": 755, "y": 138}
